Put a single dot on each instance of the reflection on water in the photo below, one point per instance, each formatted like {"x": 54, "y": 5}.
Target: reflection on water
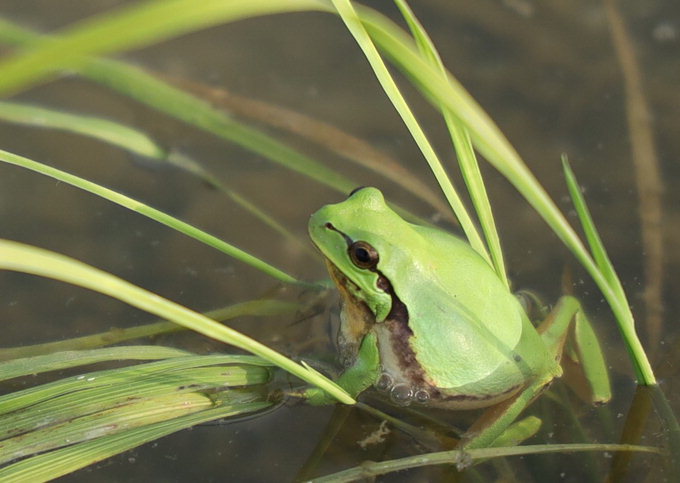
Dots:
{"x": 546, "y": 73}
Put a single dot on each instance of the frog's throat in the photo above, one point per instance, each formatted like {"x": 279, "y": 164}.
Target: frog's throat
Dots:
{"x": 358, "y": 320}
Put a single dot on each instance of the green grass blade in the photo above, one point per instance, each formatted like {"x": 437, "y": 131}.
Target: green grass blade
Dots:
{"x": 136, "y": 142}
{"x": 464, "y": 150}
{"x": 475, "y": 184}
{"x": 98, "y": 411}
{"x": 354, "y": 25}
{"x": 463, "y": 458}
{"x": 64, "y": 360}
{"x": 492, "y": 144}
{"x": 105, "y": 378}
{"x": 23, "y": 258}
{"x": 149, "y": 212}
{"x": 131, "y": 26}
{"x": 257, "y": 307}
{"x": 593, "y": 237}
{"x": 605, "y": 266}
{"x": 149, "y": 90}
{"x": 57, "y": 463}
{"x": 108, "y": 131}
{"x": 112, "y": 409}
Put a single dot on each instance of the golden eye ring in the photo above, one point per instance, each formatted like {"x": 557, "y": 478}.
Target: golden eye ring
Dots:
{"x": 363, "y": 255}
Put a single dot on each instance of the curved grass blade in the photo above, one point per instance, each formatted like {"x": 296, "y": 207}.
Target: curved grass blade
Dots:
{"x": 602, "y": 259}
{"x": 24, "y": 258}
{"x": 258, "y": 307}
{"x": 354, "y": 25}
{"x": 131, "y": 26}
{"x": 491, "y": 143}
{"x": 110, "y": 132}
{"x": 149, "y": 90}
{"x": 136, "y": 142}
{"x": 60, "y": 462}
{"x": 120, "y": 404}
{"x": 64, "y": 360}
{"x": 464, "y": 150}
{"x": 106, "y": 378}
{"x": 593, "y": 237}
{"x": 149, "y": 212}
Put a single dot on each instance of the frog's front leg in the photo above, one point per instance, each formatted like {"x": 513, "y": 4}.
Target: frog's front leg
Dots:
{"x": 566, "y": 331}
{"x": 356, "y": 378}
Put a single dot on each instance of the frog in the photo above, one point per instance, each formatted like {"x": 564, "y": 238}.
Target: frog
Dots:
{"x": 427, "y": 320}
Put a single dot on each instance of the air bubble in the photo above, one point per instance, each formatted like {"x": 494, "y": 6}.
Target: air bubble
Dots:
{"x": 401, "y": 394}
{"x": 422, "y": 396}
{"x": 384, "y": 382}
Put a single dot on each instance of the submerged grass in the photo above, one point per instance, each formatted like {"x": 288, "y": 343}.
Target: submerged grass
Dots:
{"x": 50, "y": 465}
{"x": 55, "y": 428}
{"x": 463, "y": 459}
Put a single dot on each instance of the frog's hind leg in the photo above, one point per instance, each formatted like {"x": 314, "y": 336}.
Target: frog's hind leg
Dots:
{"x": 570, "y": 338}
{"x": 566, "y": 331}
{"x": 489, "y": 430}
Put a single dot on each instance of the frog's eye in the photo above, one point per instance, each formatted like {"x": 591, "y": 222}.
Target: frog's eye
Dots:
{"x": 363, "y": 255}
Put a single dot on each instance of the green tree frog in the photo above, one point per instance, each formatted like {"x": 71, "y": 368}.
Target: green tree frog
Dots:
{"x": 426, "y": 319}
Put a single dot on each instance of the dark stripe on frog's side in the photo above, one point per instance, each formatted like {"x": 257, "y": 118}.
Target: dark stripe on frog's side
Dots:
{"x": 397, "y": 322}
{"x": 467, "y": 397}
{"x": 400, "y": 333}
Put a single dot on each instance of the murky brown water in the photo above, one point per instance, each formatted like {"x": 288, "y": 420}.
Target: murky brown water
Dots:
{"x": 547, "y": 74}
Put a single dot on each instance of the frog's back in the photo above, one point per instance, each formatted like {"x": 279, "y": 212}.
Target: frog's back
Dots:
{"x": 469, "y": 331}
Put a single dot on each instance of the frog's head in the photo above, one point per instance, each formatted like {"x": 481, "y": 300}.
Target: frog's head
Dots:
{"x": 358, "y": 237}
